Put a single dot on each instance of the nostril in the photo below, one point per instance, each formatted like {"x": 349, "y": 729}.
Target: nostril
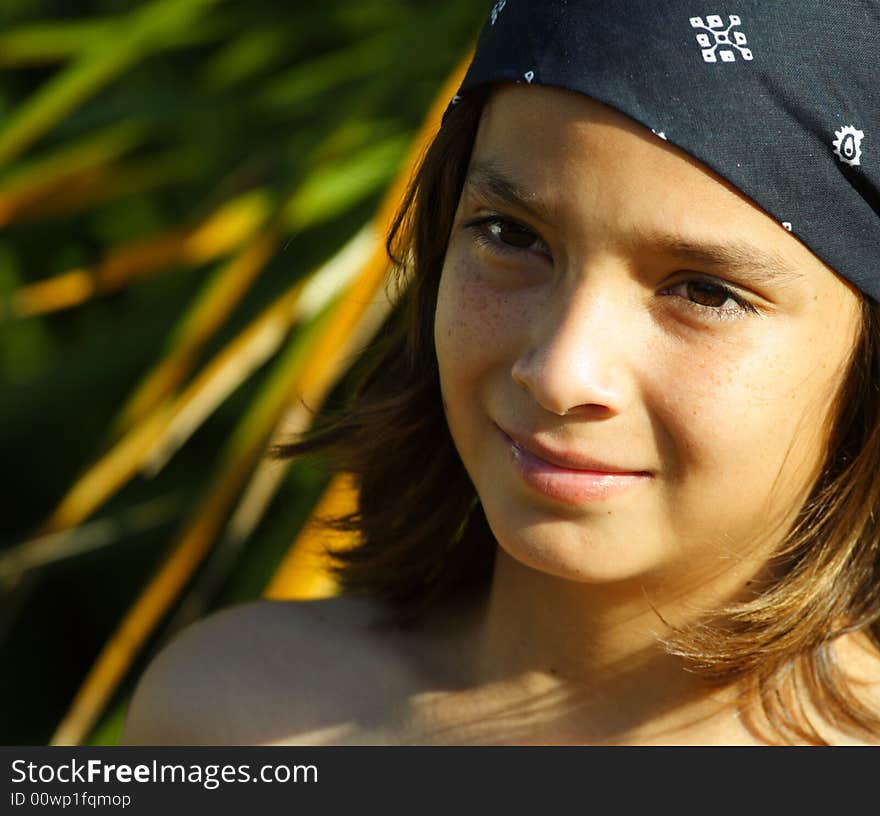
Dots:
{"x": 582, "y": 390}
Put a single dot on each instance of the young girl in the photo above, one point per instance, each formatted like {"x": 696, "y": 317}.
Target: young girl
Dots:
{"x": 619, "y": 453}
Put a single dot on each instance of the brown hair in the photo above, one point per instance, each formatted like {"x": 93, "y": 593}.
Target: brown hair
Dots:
{"x": 422, "y": 535}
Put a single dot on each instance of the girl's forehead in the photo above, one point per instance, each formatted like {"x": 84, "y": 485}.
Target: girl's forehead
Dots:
{"x": 569, "y": 156}
{"x": 544, "y": 130}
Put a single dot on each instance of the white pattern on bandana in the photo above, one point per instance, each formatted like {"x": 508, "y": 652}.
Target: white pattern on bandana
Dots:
{"x": 848, "y": 145}
{"x": 722, "y": 37}
{"x": 496, "y": 10}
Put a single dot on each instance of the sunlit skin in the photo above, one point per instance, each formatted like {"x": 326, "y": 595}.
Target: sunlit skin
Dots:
{"x": 582, "y": 329}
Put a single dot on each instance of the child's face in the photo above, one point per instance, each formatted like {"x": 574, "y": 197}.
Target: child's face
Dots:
{"x": 584, "y": 328}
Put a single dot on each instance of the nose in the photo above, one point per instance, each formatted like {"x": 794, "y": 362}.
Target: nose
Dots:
{"x": 575, "y": 359}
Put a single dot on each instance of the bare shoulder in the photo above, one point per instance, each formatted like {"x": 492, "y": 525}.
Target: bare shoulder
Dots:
{"x": 270, "y": 672}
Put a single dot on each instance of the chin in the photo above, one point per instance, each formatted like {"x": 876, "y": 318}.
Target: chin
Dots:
{"x": 573, "y": 551}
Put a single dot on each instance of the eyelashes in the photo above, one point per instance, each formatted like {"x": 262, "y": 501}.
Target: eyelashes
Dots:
{"x": 504, "y": 236}
{"x": 716, "y": 291}
{"x": 487, "y": 233}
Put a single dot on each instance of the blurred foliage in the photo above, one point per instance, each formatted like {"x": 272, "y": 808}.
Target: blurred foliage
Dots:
{"x": 189, "y": 197}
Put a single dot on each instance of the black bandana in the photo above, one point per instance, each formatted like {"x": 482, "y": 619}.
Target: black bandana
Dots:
{"x": 782, "y": 98}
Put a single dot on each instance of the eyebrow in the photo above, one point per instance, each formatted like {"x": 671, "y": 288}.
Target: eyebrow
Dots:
{"x": 487, "y": 180}
{"x": 760, "y": 266}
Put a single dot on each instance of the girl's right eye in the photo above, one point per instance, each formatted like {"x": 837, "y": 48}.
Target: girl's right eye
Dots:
{"x": 503, "y": 236}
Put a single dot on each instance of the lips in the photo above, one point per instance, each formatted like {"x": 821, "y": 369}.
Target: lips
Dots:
{"x": 567, "y": 477}
{"x": 569, "y": 460}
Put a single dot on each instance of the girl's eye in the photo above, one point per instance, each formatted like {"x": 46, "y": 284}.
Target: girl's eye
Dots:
{"x": 505, "y": 236}
{"x": 712, "y": 299}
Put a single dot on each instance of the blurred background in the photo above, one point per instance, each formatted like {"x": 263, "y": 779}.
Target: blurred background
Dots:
{"x": 193, "y": 196}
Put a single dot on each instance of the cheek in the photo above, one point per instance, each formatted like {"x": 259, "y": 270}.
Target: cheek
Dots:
{"x": 474, "y": 328}
{"x": 748, "y": 431}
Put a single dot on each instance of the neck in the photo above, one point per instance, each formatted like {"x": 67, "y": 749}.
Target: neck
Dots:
{"x": 594, "y": 646}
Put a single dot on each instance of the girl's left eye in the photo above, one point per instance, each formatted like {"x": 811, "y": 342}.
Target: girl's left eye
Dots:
{"x": 712, "y": 299}
{"x": 501, "y": 235}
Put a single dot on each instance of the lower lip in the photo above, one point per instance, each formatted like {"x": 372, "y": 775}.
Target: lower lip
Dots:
{"x": 570, "y": 485}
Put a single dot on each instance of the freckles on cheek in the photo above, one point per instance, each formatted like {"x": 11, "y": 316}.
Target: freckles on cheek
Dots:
{"x": 472, "y": 318}
{"x": 709, "y": 394}
{"x": 730, "y": 374}
{"x": 748, "y": 408}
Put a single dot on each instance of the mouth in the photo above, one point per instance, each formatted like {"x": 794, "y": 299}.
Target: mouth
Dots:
{"x": 590, "y": 481}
